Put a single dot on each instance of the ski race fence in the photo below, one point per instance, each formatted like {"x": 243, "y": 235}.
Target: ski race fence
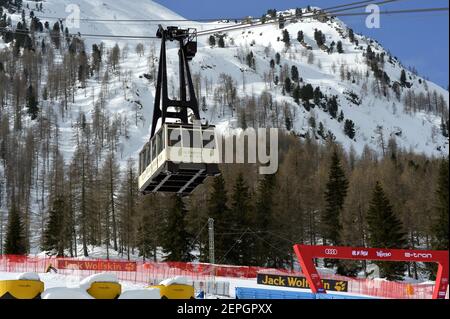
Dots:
{"x": 207, "y": 277}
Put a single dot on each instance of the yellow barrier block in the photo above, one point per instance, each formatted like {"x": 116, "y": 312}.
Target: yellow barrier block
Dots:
{"x": 21, "y": 289}
{"x": 105, "y": 290}
{"x": 176, "y": 291}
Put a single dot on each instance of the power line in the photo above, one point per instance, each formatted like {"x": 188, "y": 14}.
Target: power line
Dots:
{"x": 224, "y": 19}
{"x": 232, "y": 28}
{"x": 199, "y": 233}
{"x": 380, "y": 3}
{"x": 270, "y": 244}
{"x": 250, "y": 231}
{"x": 232, "y": 247}
{"x": 388, "y": 12}
{"x": 188, "y": 21}
{"x": 346, "y": 5}
{"x": 320, "y": 13}
{"x": 385, "y": 12}
{"x": 144, "y": 20}
{"x": 283, "y": 238}
{"x": 269, "y": 232}
{"x": 316, "y": 14}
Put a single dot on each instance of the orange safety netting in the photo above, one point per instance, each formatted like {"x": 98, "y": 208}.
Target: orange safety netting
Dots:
{"x": 152, "y": 272}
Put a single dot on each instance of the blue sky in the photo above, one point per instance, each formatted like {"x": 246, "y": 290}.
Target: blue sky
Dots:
{"x": 419, "y": 39}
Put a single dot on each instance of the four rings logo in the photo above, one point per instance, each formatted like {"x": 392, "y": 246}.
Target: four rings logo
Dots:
{"x": 330, "y": 251}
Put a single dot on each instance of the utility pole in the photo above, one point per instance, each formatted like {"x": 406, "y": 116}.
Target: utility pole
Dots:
{"x": 211, "y": 240}
{"x": 211, "y": 252}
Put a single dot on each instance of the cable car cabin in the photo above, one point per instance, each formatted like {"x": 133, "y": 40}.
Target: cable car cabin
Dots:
{"x": 177, "y": 159}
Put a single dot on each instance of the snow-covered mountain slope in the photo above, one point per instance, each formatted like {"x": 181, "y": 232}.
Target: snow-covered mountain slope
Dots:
{"x": 112, "y": 10}
{"x": 375, "y": 116}
{"x": 412, "y": 131}
{"x": 54, "y": 10}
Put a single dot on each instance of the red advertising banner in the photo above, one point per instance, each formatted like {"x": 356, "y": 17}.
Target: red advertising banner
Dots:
{"x": 101, "y": 265}
{"x": 306, "y": 254}
{"x": 152, "y": 272}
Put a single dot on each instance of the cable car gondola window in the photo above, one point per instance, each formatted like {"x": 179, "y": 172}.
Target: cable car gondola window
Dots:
{"x": 174, "y": 137}
{"x": 197, "y": 138}
{"x": 142, "y": 157}
{"x": 148, "y": 156}
{"x": 153, "y": 153}
{"x": 208, "y": 139}
{"x": 186, "y": 135}
{"x": 159, "y": 142}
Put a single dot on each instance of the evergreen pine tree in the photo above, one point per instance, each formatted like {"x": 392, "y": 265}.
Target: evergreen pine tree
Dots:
{"x": 263, "y": 19}
{"x": 150, "y": 228}
{"x": 221, "y": 42}
{"x": 32, "y": 103}
{"x": 54, "y": 234}
{"x": 335, "y": 193}
{"x": 294, "y": 74}
{"x": 272, "y": 64}
{"x": 288, "y": 85}
{"x": 317, "y": 95}
{"x": 321, "y": 131}
{"x": 286, "y": 38}
{"x": 219, "y": 211}
{"x": 440, "y": 225}
{"x": 176, "y": 241}
{"x": 277, "y": 58}
{"x": 212, "y": 40}
{"x": 349, "y": 129}
{"x": 272, "y": 13}
{"x": 241, "y": 214}
{"x": 403, "y": 79}
{"x": 339, "y": 47}
{"x": 351, "y": 35}
{"x": 385, "y": 231}
{"x": 307, "y": 93}
{"x": 319, "y": 37}
{"x": 145, "y": 239}
{"x": 300, "y": 36}
{"x": 341, "y": 116}
{"x": 296, "y": 94}
{"x": 332, "y": 106}
{"x": 15, "y": 239}
{"x": 264, "y": 212}
{"x": 251, "y": 60}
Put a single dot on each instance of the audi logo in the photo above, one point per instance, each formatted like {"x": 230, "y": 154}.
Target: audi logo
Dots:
{"x": 330, "y": 251}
